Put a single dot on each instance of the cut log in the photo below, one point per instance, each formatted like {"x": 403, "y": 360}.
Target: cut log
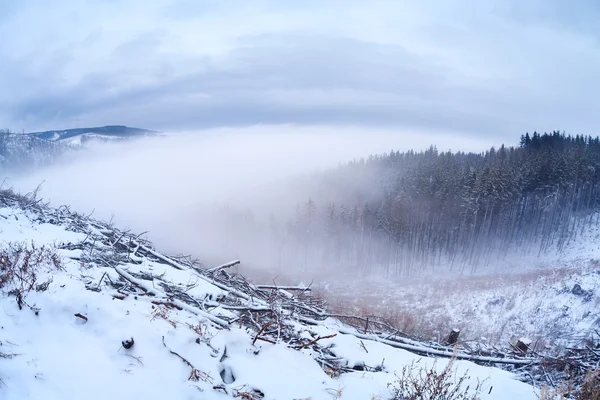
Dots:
{"x": 523, "y": 345}
{"x": 453, "y": 337}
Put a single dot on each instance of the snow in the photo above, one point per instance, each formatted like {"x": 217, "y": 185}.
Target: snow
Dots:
{"x": 538, "y": 304}
{"x": 86, "y": 138}
{"x": 62, "y": 356}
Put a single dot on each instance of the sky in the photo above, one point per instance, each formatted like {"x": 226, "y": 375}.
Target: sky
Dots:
{"x": 485, "y": 68}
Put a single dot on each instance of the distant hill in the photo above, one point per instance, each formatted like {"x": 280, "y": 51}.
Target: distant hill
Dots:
{"x": 24, "y": 151}
{"x": 32, "y": 150}
{"x": 103, "y": 133}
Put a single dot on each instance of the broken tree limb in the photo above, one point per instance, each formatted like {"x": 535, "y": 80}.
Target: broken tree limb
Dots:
{"x": 162, "y": 257}
{"x": 265, "y": 326}
{"x": 137, "y": 282}
{"x": 195, "y": 373}
{"x": 223, "y": 266}
{"x": 315, "y": 341}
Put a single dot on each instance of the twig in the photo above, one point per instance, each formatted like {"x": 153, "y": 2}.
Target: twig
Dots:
{"x": 83, "y": 317}
{"x": 364, "y": 347}
{"x": 100, "y": 282}
{"x": 195, "y": 374}
{"x": 315, "y": 341}
{"x": 265, "y": 326}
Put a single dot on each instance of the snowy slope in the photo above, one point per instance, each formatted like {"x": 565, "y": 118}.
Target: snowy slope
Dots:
{"x": 553, "y": 299}
{"x": 543, "y": 305}
{"x": 58, "y": 355}
{"x": 24, "y": 151}
{"x": 103, "y": 132}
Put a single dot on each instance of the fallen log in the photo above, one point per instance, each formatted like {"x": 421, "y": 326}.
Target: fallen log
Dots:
{"x": 428, "y": 351}
{"x": 223, "y": 266}
{"x": 136, "y": 282}
{"x": 441, "y": 353}
{"x": 290, "y": 288}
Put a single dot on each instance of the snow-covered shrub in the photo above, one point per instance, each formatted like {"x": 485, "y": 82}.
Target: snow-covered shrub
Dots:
{"x": 20, "y": 265}
{"x": 417, "y": 382}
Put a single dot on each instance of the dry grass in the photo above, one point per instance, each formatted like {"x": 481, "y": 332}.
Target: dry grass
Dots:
{"x": 430, "y": 309}
{"x": 163, "y": 312}
{"x": 20, "y": 265}
{"x": 588, "y": 389}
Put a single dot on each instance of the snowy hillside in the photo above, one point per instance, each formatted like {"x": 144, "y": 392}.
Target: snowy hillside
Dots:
{"x": 101, "y": 314}
{"x": 554, "y": 299}
{"x": 29, "y": 151}
{"x": 24, "y": 151}
{"x": 553, "y": 307}
{"x": 78, "y": 136}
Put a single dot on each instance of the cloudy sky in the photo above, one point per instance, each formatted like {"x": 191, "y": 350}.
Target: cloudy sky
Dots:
{"x": 481, "y": 67}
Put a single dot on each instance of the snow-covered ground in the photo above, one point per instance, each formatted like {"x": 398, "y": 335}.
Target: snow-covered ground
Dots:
{"x": 554, "y": 299}
{"x": 544, "y": 305}
{"x": 58, "y": 355}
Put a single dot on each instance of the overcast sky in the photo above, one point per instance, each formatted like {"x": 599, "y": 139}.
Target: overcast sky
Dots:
{"x": 481, "y": 67}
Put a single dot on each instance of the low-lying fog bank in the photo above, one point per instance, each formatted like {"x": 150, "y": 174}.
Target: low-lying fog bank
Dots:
{"x": 175, "y": 186}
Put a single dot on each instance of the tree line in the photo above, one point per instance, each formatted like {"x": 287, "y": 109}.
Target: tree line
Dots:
{"x": 403, "y": 213}
{"x": 24, "y": 152}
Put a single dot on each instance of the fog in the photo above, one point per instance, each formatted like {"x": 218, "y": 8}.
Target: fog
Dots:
{"x": 170, "y": 185}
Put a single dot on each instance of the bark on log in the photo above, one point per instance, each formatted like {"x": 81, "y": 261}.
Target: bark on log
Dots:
{"x": 523, "y": 345}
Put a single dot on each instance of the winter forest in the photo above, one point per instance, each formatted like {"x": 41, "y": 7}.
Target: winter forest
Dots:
{"x": 403, "y": 214}
{"x": 24, "y": 152}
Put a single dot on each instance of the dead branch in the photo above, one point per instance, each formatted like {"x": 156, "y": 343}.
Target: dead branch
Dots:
{"x": 136, "y": 282}
{"x": 265, "y": 326}
{"x": 223, "y": 266}
{"x": 195, "y": 374}
{"x": 315, "y": 341}
{"x": 83, "y": 317}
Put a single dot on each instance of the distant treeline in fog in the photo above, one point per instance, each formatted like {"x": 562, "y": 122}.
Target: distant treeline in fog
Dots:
{"x": 24, "y": 152}
{"x": 400, "y": 214}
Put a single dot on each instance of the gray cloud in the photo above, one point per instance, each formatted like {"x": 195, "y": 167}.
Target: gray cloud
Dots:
{"x": 498, "y": 68}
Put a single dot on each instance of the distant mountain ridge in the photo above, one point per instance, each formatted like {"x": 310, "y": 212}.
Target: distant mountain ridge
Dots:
{"x": 106, "y": 132}
{"x": 26, "y": 151}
